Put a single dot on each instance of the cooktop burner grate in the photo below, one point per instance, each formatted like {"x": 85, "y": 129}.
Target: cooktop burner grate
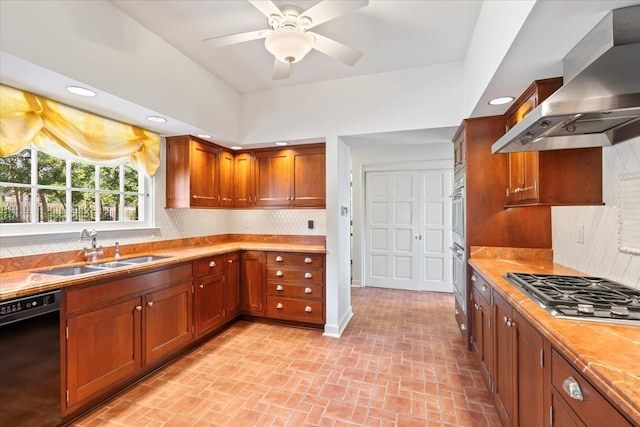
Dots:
{"x": 589, "y": 298}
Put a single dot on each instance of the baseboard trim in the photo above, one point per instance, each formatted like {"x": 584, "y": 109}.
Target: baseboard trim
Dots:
{"x": 336, "y": 331}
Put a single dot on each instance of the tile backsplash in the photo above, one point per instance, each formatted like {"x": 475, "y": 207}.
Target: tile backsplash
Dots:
{"x": 599, "y": 255}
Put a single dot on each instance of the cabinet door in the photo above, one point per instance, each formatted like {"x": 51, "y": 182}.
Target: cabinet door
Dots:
{"x": 203, "y": 169}
{"x": 530, "y": 374}
{"x": 252, "y": 283}
{"x": 504, "y": 380}
{"x": 561, "y": 416}
{"x": 309, "y": 180}
{"x": 481, "y": 343}
{"x": 232, "y": 284}
{"x": 209, "y": 304}
{"x": 243, "y": 185}
{"x": 103, "y": 348}
{"x": 226, "y": 179}
{"x": 273, "y": 178}
{"x": 515, "y": 177}
{"x": 168, "y": 317}
{"x": 530, "y": 171}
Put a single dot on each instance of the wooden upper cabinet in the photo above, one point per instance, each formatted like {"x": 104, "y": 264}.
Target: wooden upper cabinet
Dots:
{"x": 192, "y": 173}
{"x": 243, "y": 180}
{"x": 458, "y": 151}
{"x": 290, "y": 178}
{"x": 227, "y": 164}
{"x": 273, "y": 178}
{"x": 308, "y": 179}
{"x": 553, "y": 177}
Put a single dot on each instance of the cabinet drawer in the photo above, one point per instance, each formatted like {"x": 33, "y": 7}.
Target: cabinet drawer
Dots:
{"x": 301, "y": 277}
{"x": 594, "y": 409}
{"x": 481, "y": 286}
{"x": 288, "y": 259}
{"x": 294, "y": 309}
{"x": 210, "y": 265}
{"x": 288, "y": 290}
{"x": 127, "y": 285}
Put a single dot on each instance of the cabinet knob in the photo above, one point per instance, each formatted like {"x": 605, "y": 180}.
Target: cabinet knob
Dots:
{"x": 484, "y": 288}
{"x": 572, "y": 388}
{"x": 478, "y": 307}
{"x": 201, "y": 286}
{"x": 308, "y": 275}
{"x": 279, "y": 259}
{"x": 279, "y": 288}
{"x": 279, "y": 306}
{"x": 279, "y": 273}
{"x": 474, "y": 278}
{"x": 150, "y": 303}
{"x": 504, "y": 319}
{"x": 308, "y": 290}
{"x": 212, "y": 264}
{"x": 308, "y": 260}
{"x": 230, "y": 261}
{"x": 308, "y": 309}
{"x": 139, "y": 307}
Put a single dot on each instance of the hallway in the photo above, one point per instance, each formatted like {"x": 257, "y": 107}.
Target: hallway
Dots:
{"x": 400, "y": 362}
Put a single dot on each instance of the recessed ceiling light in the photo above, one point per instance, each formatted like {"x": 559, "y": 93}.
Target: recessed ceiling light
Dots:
{"x": 204, "y": 135}
{"x": 501, "y": 100}
{"x": 156, "y": 119}
{"x": 282, "y": 143}
{"x": 81, "y": 91}
{"x": 236, "y": 147}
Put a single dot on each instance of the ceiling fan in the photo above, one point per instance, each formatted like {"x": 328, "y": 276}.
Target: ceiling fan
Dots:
{"x": 288, "y": 38}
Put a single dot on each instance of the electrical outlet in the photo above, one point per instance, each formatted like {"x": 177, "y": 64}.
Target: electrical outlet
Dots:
{"x": 580, "y": 234}
{"x": 310, "y": 224}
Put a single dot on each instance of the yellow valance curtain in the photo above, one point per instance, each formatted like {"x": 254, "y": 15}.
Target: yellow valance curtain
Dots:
{"x": 66, "y": 132}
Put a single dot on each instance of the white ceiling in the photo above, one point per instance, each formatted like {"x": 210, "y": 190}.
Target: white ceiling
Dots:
{"x": 393, "y": 35}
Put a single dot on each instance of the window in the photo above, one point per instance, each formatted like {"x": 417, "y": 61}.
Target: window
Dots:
{"x": 40, "y": 193}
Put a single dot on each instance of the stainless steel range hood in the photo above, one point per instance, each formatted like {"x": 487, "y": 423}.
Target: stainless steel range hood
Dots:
{"x": 599, "y": 105}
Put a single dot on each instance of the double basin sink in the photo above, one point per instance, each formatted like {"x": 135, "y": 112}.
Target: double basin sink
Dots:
{"x": 94, "y": 268}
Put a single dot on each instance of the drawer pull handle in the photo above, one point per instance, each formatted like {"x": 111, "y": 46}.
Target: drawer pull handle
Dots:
{"x": 150, "y": 303}
{"x": 212, "y": 264}
{"x": 279, "y": 273}
{"x": 484, "y": 288}
{"x": 308, "y": 275}
{"x": 308, "y": 309}
{"x": 279, "y": 288}
{"x": 279, "y": 259}
{"x": 572, "y": 388}
{"x": 139, "y": 307}
{"x": 308, "y": 290}
{"x": 279, "y": 306}
{"x": 201, "y": 286}
{"x": 478, "y": 307}
{"x": 308, "y": 260}
{"x": 474, "y": 278}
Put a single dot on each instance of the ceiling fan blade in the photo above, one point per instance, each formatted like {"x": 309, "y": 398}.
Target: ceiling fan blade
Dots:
{"x": 267, "y": 7}
{"x": 336, "y": 50}
{"x": 281, "y": 70}
{"x": 216, "y": 42}
{"x": 328, "y": 10}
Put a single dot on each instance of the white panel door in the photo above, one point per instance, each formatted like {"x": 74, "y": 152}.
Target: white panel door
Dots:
{"x": 408, "y": 228}
{"x": 435, "y": 231}
{"x": 391, "y": 214}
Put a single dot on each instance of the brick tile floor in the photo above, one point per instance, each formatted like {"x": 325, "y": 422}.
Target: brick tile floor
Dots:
{"x": 400, "y": 362}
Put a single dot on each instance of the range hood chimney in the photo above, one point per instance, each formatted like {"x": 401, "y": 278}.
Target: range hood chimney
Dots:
{"x": 599, "y": 105}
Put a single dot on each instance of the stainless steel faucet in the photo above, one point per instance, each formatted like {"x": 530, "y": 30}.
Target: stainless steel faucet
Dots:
{"x": 117, "y": 248}
{"x": 95, "y": 250}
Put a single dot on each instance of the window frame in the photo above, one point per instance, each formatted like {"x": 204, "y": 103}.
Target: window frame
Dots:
{"x": 146, "y": 203}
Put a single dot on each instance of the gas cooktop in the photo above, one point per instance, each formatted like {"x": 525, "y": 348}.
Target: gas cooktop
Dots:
{"x": 585, "y": 298}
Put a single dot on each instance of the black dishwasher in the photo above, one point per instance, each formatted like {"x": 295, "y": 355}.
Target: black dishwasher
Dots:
{"x": 30, "y": 361}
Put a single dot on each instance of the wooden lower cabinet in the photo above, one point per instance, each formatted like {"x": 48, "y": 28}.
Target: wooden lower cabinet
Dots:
{"x": 519, "y": 368}
{"x": 232, "y": 284}
{"x": 251, "y": 276}
{"x": 209, "y": 295}
{"x": 119, "y": 329}
{"x": 103, "y": 347}
{"x": 481, "y": 329}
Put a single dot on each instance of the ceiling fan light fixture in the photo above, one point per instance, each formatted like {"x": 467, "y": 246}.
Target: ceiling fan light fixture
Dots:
{"x": 289, "y": 44}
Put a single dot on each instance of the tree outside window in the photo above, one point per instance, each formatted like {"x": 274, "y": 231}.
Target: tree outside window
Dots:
{"x": 39, "y": 188}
